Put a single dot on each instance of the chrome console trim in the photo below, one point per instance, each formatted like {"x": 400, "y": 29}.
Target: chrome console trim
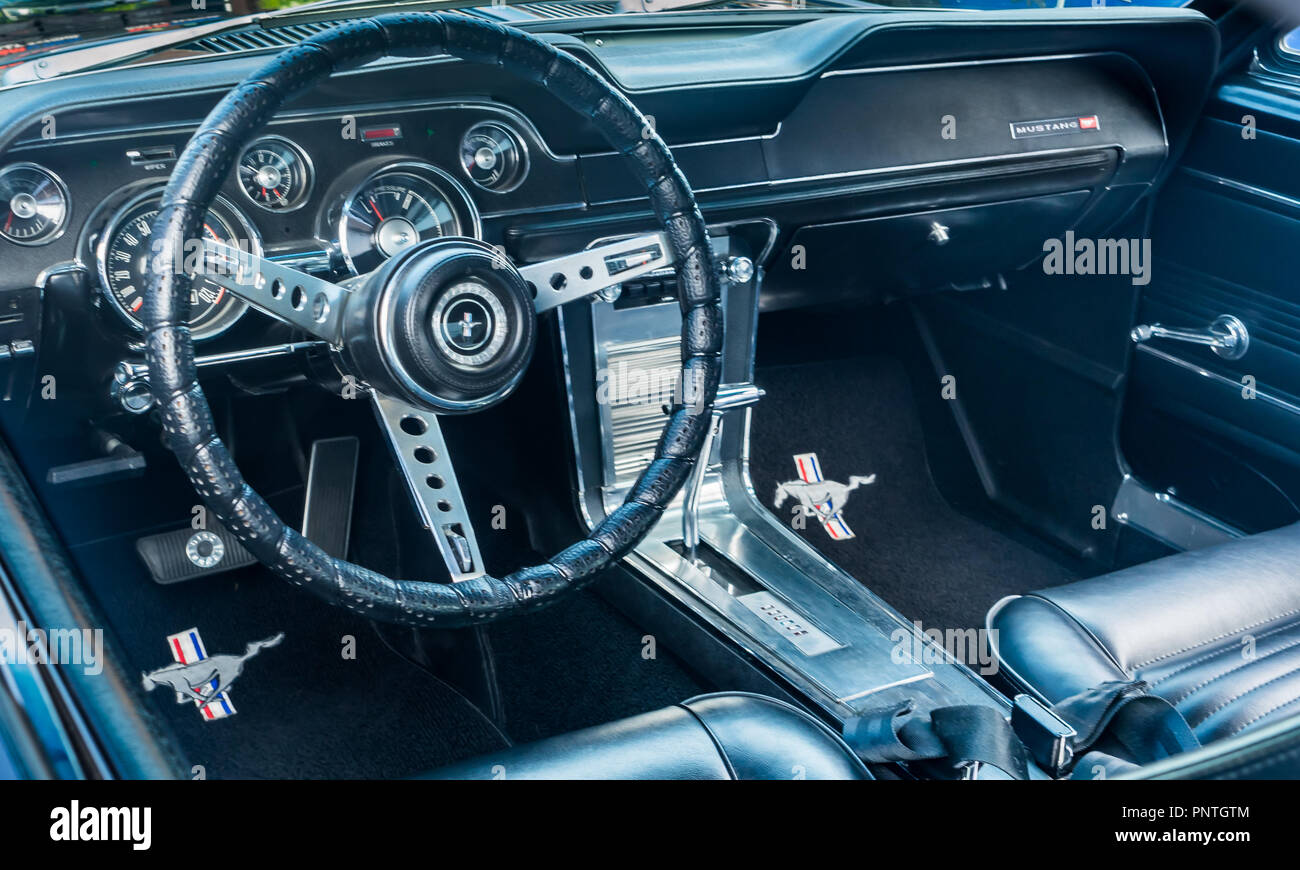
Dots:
{"x": 766, "y": 590}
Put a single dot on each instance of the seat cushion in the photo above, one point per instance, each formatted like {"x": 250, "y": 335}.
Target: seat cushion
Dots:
{"x": 730, "y": 735}
{"x": 1215, "y": 631}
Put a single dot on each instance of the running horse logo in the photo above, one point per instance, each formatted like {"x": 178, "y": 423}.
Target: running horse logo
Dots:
{"x": 201, "y": 678}
{"x": 823, "y": 499}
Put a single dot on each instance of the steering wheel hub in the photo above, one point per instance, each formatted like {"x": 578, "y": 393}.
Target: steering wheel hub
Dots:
{"x": 449, "y": 325}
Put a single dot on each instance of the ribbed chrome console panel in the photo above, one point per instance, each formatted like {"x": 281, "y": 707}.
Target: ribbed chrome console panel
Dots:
{"x": 641, "y": 378}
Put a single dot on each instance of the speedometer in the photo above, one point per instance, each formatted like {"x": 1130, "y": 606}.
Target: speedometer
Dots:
{"x": 400, "y": 207}
{"x": 126, "y": 246}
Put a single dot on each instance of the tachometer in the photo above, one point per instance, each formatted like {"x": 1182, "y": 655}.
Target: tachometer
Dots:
{"x": 275, "y": 174}
{"x": 126, "y": 246}
{"x": 33, "y": 204}
{"x": 399, "y": 207}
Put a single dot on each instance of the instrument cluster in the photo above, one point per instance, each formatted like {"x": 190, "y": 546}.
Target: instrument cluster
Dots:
{"x": 275, "y": 205}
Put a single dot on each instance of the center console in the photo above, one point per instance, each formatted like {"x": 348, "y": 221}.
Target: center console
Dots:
{"x": 718, "y": 553}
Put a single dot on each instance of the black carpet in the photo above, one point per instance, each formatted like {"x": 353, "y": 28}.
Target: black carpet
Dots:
{"x": 911, "y": 548}
{"x": 578, "y": 663}
{"x": 334, "y": 700}
{"x": 307, "y": 708}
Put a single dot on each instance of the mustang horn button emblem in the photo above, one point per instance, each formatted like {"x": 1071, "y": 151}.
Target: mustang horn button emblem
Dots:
{"x": 447, "y": 326}
{"x": 201, "y": 678}
{"x": 469, "y": 324}
{"x": 823, "y": 499}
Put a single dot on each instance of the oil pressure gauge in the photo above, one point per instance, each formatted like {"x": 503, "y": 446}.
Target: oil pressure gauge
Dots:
{"x": 494, "y": 157}
{"x": 33, "y": 204}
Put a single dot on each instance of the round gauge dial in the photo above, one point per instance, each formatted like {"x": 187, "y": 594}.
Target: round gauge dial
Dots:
{"x": 494, "y": 157}
{"x": 125, "y": 248}
{"x": 33, "y": 204}
{"x": 275, "y": 174}
{"x": 398, "y": 208}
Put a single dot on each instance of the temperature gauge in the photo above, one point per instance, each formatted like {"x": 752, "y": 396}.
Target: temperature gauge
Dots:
{"x": 33, "y": 204}
{"x": 275, "y": 174}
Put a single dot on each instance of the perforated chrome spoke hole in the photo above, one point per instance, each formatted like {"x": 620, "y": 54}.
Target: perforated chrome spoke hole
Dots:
{"x": 413, "y": 425}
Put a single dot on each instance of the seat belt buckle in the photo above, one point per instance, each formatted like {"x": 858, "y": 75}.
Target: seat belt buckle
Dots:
{"x": 1046, "y": 735}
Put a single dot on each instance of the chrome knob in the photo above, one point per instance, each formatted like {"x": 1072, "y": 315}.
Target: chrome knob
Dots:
{"x": 130, "y": 388}
{"x": 939, "y": 234}
{"x": 740, "y": 269}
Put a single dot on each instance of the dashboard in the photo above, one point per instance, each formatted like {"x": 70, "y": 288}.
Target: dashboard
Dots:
{"x": 828, "y": 131}
{"x": 328, "y": 192}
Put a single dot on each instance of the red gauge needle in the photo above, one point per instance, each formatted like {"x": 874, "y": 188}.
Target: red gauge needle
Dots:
{"x": 375, "y": 210}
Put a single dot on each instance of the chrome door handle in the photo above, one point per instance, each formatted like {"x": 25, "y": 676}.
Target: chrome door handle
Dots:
{"x": 1227, "y": 336}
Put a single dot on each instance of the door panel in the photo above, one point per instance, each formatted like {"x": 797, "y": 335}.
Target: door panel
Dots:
{"x": 1223, "y": 435}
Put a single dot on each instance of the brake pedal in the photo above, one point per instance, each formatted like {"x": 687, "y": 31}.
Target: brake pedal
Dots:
{"x": 331, "y": 484}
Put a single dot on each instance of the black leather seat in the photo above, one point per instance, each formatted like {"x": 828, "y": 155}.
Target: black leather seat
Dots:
{"x": 730, "y": 735}
{"x": 1216, "y": 632}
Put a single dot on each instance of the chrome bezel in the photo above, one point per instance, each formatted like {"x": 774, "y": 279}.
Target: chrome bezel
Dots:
{"x": 63, "y": 192}
{"x": 218, "y": 326}
{"x": 521, "y": 145}
{"x": 439, "y": 178}
{"x": 301, "y": 153}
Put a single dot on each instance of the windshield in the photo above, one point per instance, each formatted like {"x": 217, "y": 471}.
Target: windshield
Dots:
{"x": 31, "y": 28}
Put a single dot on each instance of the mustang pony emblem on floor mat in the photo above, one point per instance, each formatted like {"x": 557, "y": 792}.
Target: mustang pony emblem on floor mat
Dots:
{"x": 202, "y": 679}
{"x": 823, "y": 499}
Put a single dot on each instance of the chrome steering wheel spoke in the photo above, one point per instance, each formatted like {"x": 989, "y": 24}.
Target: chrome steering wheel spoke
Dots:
{"x": 575, "y": 276}
{"x": 301, "y": 300}
{"x": 421, "y": 452}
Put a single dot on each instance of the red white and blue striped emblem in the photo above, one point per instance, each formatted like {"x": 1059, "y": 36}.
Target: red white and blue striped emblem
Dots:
{"x": 186, "y": 648}
{"x": 810, "y": 471}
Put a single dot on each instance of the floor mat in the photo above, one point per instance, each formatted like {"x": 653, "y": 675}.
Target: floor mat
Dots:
{"x": 579, "y": 662}
{"x": 909, "y": 546}
{"x": 331, "y": 700}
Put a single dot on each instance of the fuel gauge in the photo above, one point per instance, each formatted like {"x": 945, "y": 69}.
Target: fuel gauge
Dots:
{"x": 275, "y": 174}
{"x": 33, "y": 204}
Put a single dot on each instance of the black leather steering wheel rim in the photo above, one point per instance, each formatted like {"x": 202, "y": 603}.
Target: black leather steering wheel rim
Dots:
{"x": 188, "y": 428}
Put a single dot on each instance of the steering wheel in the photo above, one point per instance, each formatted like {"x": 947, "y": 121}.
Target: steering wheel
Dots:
{"x": 400, "y": 333}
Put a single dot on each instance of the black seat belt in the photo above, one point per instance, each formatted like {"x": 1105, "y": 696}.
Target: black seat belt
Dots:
{"x": 1123, "y": 724}
{"x": 1115, "y": 725}
{"x": 950, "y": 743}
